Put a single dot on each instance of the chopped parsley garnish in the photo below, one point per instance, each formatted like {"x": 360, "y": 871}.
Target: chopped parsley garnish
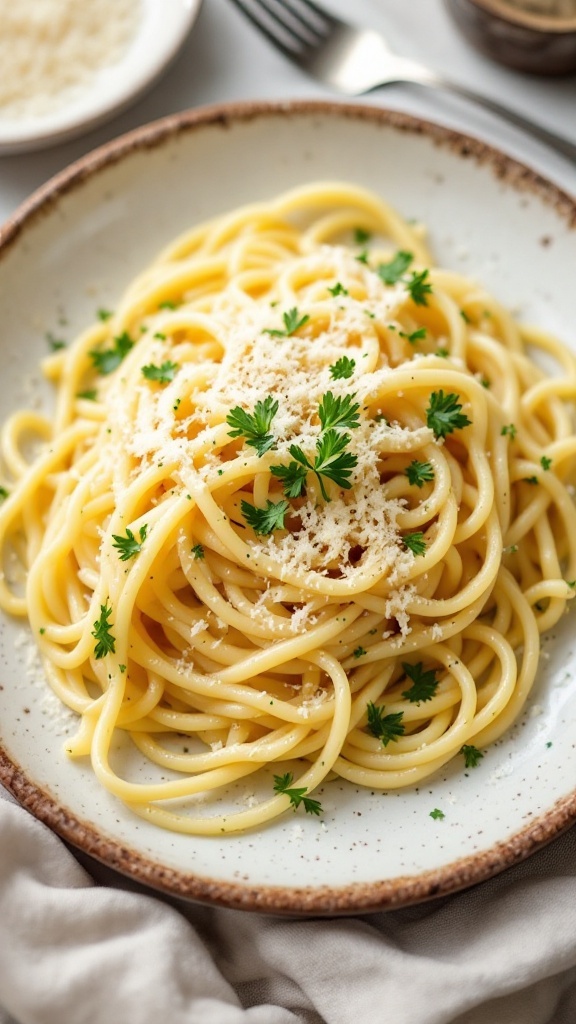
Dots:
{"x": 531, "y": 480}
{"x": 415, "y": 542}
{"x": 4, "y": 494}
{"x": 283, "y": 785}
{"x": 163, "y": 374}
{"x": 443, "y": 415}
{"x": 419, "y": 287}
{"x": 510, "y": 430}
{"x": 265, "y": 520}
{"x": 107, "y": 360}
{"x": 545, "y": 462}
{"x": 384, "y": 727}
{"x": 359, "y": 652}
{"x": 415, "y": 336}
{"x": 167, "y": 304}
{"x": 106, "y": 643}
{"x": 442, "y": 352}
{"x": 292, "y": 322}
{"x": 465, "y": 316}
{"x": 55, "y": 343}
{"x": 331, "y": 462}
{"x": 338, "y": 413}
{"x": 198, "y": 551}
{"x": 293, "y": 477}
{"x": 362, "y": 257}
{"x": 437, "y": 814}
{"x": 419, "y": 473}
{"x": 104, "y": 314}
{"x": 90, "y": 395}
{"x": 361, "y": 236}
{"x": 254, "y": 426}
{"x": 472, "y": 756}
{"x": 390, "y": 273}
{"x": 338, "y": 289}
{"x": 128, "y": 546}
{"x": 424, "y": 684}
{"x": 342, "y": 368}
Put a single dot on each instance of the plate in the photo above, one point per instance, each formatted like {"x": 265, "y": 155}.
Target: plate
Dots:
{"x": 160, "y": 30}
{"x": 71, "y": 249}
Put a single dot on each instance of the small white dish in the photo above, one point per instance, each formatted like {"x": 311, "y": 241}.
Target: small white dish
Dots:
{"x": 72, "y": 248}
{"x": 161, "y": 29}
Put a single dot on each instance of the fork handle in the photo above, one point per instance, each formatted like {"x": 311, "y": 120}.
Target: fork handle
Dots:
{"x": 557, "y": 142}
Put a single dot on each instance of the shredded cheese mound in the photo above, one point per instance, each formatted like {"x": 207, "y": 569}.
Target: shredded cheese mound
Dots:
{"x": 51, "y": 50}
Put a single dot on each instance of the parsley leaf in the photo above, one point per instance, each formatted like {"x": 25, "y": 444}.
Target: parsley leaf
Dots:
{"x": 331, "y": 461}
{"x": 390, "y": 273}
{"x": 168, "y": 304}
{"x": 424, "y": 684}
{"x": 293, "y": 477}
{"x": 292, "y": 322}
{"x": 55, "y": 343}
{"x": 342, "y": 368}
{"x": 338, "y": 413}
{"x": 107, "y": 360}
{"x": 359, "y": 652}
{"x": 545, "y": 462}
{"x": 437, "y": 814}
{"x": 91, "y": 395}
{"x": 384, "y": 727}
{"x": 128, "y": 546}
{"x": 101, "y": 632}
{"x": 419, "y": 473}
{"x": 443, "y": 415}
{"x": 419, "y": 287}
{"x": 338, "y": 289}
{"x": 5, "y": 494}
{"x": 104, "y": 314}
{"x": 265, "y": 520}
{"x": 415, "y": 542}
{"x": 415, "y": 336}
{"x": 254, "y": 426}
{"x": 163, "y": 374}
{"x": 198, "y": 551}
{"x": 361, "y": 236}
{"x": 472, "y": 756}
{"x": 283, "y": 783}
{"x": 510, "y": 430}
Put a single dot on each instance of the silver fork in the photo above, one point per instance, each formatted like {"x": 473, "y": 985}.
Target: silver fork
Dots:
{"x": 355, "y": 60}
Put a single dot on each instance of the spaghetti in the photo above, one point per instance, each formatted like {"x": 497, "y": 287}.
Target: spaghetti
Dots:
{"x": 303, "y": 510}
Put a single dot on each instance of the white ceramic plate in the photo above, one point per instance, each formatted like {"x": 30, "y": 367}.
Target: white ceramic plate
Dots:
{"x": 161, "y": 30}
{"x": 71, "y": 249}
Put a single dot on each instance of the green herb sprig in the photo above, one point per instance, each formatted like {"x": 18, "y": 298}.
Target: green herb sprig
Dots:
{"x": 283, "y": 785}
{"x": 255, "y": 426}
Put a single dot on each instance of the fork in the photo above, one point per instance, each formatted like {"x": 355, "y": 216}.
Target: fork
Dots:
{"x": 355, "y": 60}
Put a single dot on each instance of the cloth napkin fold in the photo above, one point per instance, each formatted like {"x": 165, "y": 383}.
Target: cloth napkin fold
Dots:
{"x": 76, "y": 952}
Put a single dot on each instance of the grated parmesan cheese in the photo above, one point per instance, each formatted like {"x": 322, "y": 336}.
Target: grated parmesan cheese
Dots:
{"x": 51, "y": 50}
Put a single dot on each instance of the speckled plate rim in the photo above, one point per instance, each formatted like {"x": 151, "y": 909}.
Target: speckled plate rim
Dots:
{"x": 352, "y": 897}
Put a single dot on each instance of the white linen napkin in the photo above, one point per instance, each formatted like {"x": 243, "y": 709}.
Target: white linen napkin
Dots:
{"x": 76, "y": 952}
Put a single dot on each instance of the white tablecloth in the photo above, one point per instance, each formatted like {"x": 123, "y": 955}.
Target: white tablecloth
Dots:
{"x": 78, "y": 951}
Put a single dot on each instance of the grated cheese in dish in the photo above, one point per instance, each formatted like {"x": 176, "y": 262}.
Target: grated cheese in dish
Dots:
{"x": 52, "y": 50}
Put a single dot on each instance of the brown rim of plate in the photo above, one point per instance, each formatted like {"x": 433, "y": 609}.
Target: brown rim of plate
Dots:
{"x": 527, "y": 19}
{"x": 354, "y": 897}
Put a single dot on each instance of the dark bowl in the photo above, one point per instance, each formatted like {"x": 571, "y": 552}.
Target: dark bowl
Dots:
{"x": 537, "y": 43}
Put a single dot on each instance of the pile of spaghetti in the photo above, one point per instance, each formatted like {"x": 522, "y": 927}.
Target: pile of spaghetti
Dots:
{"x": 303, "y": 510}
